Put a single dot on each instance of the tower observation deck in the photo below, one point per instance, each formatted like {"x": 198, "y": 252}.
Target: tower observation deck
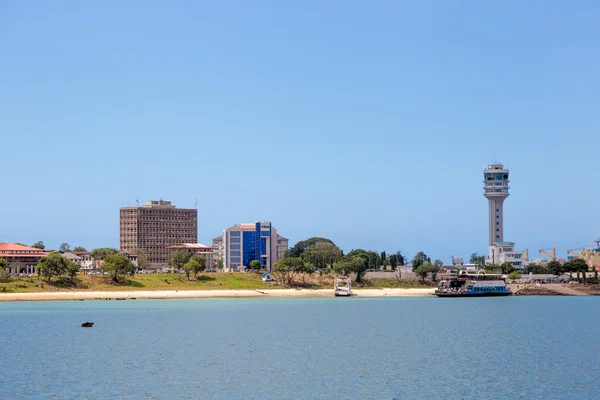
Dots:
{"x": 496, "y": 191}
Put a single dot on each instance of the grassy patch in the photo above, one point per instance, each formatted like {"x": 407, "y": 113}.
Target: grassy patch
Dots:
{"x": 207, "y": 281}
{"x": 377, "y": 283}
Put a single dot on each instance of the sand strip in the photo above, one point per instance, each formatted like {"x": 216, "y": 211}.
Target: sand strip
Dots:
{"x": 193, "y": 294}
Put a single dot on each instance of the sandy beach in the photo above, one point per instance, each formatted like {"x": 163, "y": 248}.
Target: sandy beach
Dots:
{"x": 197, "y": 294}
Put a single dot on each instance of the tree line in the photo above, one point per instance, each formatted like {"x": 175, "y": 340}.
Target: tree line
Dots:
{"x": 192, "y": 265}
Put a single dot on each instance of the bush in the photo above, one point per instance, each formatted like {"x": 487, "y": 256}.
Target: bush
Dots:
{"x": 514, "y": 275}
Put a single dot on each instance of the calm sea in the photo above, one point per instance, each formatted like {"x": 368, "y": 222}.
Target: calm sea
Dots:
{"x": 322, "y": 348}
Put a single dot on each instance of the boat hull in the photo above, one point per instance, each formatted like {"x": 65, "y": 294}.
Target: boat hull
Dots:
{"x": 343, "y": 294}
{"x": 473, "y": 295}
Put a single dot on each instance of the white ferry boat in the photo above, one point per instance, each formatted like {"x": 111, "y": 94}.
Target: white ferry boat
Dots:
{"x": 342, "y": 286}
{"x": 473, "y": 285}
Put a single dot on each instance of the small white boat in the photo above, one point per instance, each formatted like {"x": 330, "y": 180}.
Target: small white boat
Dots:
{"x": 342, "y": 287}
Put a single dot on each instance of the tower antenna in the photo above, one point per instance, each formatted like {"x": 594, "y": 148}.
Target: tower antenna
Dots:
{"x": 196, "y": 203}
{"x": 137, "y": 200}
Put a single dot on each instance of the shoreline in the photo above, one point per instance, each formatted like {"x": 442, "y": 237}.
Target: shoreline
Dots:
{"x": 205, "y": 294}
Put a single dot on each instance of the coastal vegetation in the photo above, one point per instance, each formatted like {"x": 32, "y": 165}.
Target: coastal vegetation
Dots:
{"x": 3, "y": 267}
{"x": 205, "y": 281}
{"x": 56, "y": 265}
{"x": 117, "y": 267}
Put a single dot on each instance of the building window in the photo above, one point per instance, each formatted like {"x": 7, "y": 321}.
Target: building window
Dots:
{"x": 234, "y": 247}
{"x": 235, "y": 240}
{"x": 235, "y": 259}
{"x": 497, "y": 236}
{"x": 497, "y": 210}
{"x": 234, "y": 233}
{"x": 497, "y": 223}
{"x": 497, "y": 230}
{"x": 234, "y": 253}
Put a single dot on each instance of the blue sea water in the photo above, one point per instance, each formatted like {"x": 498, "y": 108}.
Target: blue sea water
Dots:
{"x": 308, "y": 348}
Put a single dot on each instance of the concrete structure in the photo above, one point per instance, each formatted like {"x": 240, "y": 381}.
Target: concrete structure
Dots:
{"x": 197, "y": 248}
{"x": 74, "y": 258}
{"x": 245, "y": 243}
{"x": 458, "y": 261}
{"x": 282, "y": 246}
{"x": 88, "y": 264}
{"x": 21, "y": 259}
{"x": 155, "y": 226}
{"x": 502, "y": 252}
{"x": 218, "y": 250}
{"x": 496, "y": 191}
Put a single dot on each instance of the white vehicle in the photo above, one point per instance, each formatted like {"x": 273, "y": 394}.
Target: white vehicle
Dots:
{"x": 342, "y": 287}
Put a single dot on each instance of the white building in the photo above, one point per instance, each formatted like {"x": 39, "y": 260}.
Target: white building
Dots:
{"x": 502, "y": 252}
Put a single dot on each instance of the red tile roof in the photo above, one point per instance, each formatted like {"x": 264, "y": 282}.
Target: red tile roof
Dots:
{"x": 17, "y": 247}
{"x": 2, "y": 255}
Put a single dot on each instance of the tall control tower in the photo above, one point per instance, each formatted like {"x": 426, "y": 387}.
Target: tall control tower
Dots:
{"x": 496, "y": 191}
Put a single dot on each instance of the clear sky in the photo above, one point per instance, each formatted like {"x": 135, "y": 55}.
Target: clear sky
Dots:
{"x": 367, "y": 122}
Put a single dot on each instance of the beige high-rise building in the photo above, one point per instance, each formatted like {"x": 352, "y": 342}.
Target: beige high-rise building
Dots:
{"x": 155, "y": 226}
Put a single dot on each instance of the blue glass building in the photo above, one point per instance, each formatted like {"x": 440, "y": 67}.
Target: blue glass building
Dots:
{"x": 245, "y": 243}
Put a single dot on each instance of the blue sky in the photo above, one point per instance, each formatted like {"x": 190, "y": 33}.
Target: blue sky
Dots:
{"x": 365, "y": 122}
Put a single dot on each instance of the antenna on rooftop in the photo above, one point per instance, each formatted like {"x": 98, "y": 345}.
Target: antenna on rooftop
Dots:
{"x": 137, "y": 200}
{"x": 196, "y": 203}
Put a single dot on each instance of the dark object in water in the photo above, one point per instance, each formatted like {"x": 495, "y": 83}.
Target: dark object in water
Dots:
{"x": 87, "y": 324}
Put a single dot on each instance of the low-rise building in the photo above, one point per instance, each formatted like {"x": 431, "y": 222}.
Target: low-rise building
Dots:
{"x": 218, "y": 245}
{"x": 282, "y": 246}
{"x": 88, "y": 264}
{"x": 196, "y": 248}
{"x": 503, "y": 252}
{"x": 21, "y": 259}
{"x": 458, "y": 261}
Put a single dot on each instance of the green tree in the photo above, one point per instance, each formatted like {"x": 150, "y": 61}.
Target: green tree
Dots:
{"x": 178, "y": 258}
{"x": 556, "y": 268}
{"x": 142, "y": 261}
{"x": 491, "y": 268}
{"x": 102, "y": 252}
{"x": 72, "y": 269}
{"x": 255, "y": 265}
{"x": 435, "y": 268}
{"x": 357, "y": 262}
{"x": 514, "y": 275}
{"x": 303, "y": 245}
{"x": 54, "y": 264}
{"x": 79, "y": 248}
{"x": 576, "y": 265}
{"x": 64, "y": 247}
{"x": 190, "y": 267}
{"x": 536, "y": 269}
{"x": 304, "y": 269}
{"x": 201, "y": 260}
{"x": 117, "y": 266}
{"x": 3, "y": 268}
{"x": 506, "y": 267}
{"x": 393, "y": 261}
{"x": 322, "y": 254}
{"x": 422, "y": 271}
{"x": 400, "y": 258}
{"x": 420, "y": 259}
{"x": 383, "y": 259}
{"x": 39, "y": 245}
{"x": 220, "y": 265}
{"x": 477, "y": 259}
{"x": 284, "y": 270}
